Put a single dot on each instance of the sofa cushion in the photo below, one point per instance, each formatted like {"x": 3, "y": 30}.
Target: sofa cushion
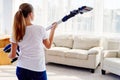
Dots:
{"x": 57, "y": 51}
{"x": 112, "y": 62}
{"x": 85, "y": 42}
{"x": 111, "y": 43}
{"x": 63, "y": 41}
{"x": 77, "y": 54}
{"x": 110, "y": 53}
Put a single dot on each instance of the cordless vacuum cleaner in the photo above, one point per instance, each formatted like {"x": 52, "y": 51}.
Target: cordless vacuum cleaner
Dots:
{"x": 80, "y": 10}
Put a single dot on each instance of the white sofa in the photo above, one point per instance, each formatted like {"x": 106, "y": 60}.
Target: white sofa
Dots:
{"x": 111, "y": 61}
{"x": 79, "y": 51}
{"x": 111, "y": 56}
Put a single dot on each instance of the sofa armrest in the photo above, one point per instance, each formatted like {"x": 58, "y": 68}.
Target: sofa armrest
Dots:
{"x": 95, "y": 50}
{"x": 110, "y": 53}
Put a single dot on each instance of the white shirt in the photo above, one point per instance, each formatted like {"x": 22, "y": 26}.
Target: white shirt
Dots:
{"x": 32, "y": 55}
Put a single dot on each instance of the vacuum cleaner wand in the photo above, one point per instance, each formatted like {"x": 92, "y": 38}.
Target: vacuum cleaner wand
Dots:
{"x": 80, "y": 10}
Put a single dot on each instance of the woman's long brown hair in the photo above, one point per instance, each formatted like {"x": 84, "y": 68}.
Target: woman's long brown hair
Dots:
{"x": 19, "y": 24}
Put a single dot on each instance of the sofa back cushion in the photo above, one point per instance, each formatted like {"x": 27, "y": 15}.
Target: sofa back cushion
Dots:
{"x": 63, "y": 41}
{"x": 111, "y": 44}
{"x": 81, "y": 42}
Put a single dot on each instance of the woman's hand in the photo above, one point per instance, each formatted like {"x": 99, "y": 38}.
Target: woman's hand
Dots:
{"x": 54, "y": 26}
{"x": 48, "y": 42}
{"x": 12, "y": 54}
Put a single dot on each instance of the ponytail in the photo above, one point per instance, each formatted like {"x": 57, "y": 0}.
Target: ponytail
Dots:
{"x": 19, "y": 26}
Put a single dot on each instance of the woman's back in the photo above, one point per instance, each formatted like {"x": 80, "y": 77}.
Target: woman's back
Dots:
{"x": 31, "y": 49}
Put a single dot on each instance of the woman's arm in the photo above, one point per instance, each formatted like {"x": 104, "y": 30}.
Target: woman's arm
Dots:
{"x": 13, "y": 50}
{"x": 48, "y": 42}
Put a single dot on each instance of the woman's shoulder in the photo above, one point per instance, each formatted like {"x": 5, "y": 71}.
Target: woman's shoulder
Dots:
{"x": 38, "y": 26}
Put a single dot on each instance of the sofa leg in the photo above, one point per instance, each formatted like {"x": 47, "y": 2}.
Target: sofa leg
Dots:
{"x": 92, "y": 70}
{"x": 103, "y": 72}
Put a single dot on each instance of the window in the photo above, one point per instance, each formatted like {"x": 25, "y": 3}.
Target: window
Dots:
{"x": 56, "y": 11}
{"x": 111, "y": 19}
{"x": 76, "y": 25}
{"x": 99, "y": 20}
{"x": 82, "y": 23}
{"x": 5, "y": 16}
{"x": 1, "y": 8}
{"x": 48, "y": 11}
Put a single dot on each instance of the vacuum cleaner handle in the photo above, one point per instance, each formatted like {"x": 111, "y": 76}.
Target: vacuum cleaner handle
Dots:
{"x": 49, "y": 27}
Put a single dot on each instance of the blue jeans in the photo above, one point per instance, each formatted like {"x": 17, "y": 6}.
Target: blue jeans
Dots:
{"x": 25, "y": 74}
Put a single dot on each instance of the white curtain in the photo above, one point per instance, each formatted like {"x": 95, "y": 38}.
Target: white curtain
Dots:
{"x": 1, "y": 9}
{"x": 103, "y": 19}
{"x": 59, "y": 8}
{"x": 5, "y": 16}
{"x": 111, "y": 17}
{"x": 49, "y": 11}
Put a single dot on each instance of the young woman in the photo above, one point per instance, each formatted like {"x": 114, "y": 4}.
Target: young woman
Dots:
{"x": 31, "y": 39}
